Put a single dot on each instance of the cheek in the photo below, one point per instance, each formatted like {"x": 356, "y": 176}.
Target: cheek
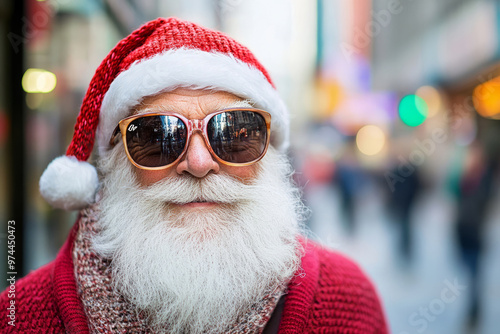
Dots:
{"x": 147, "y": 178}
{"x": 246, "y": 174}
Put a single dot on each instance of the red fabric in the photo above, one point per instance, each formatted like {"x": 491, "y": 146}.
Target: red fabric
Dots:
{"x": 332, "y": 295}
{"x": 88, "y": 118}
{"x": 151, "y": 39}
{"x": 329, "y": 295}
{"x": 68, "y": 302}
{"x": 46, "y": 300}
{"x": 176, "y": 34}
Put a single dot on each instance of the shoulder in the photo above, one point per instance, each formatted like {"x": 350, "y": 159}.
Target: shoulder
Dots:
{"x": 29, "y": 303}
{"x": 345, "y": 292}
{"x": 335, "y": 267}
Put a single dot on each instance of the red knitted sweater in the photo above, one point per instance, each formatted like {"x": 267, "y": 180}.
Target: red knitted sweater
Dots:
{"x": 331, "y": 296}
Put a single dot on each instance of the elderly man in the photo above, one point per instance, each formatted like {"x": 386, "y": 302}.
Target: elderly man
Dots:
{"x": 194, "y": 226}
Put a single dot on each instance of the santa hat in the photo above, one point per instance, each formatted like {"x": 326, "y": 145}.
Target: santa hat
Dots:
{"x": 159, "y": 56}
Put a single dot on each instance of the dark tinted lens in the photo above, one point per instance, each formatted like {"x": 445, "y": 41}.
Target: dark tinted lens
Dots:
{"x": 155, "y": 141}
{"x": 237, "y": 136}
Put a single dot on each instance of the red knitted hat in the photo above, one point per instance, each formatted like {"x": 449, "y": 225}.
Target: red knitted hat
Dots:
{"x": 159, "y": 56}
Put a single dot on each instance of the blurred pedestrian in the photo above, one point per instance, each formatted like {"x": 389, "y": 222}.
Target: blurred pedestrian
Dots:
{"x": 188, "y": 233}
{"x": 350, "y": 179}
{"x": 401, "y": 203}
{"x": 474, "y": 192}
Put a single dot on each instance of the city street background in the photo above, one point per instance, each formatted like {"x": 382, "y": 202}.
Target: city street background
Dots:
{"x": 395, "y": 132}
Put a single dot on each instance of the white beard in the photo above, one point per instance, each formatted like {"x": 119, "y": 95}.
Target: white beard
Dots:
{"x": 199, "y": 270}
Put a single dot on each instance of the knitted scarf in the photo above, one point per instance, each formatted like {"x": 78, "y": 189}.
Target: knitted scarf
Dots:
{"x": 108, "y": 311}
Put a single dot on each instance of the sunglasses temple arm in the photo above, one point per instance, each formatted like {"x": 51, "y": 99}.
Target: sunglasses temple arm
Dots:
{"x": 112, "y": 140}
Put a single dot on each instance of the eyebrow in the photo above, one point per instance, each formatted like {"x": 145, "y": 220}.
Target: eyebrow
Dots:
{"x": 165, "y": 107}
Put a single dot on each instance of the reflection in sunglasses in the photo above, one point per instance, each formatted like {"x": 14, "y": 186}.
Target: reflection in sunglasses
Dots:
{"x": 234, "y": 136}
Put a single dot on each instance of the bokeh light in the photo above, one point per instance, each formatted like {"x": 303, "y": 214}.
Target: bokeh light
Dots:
{"x": 432, "y": 97}
{"x": 370, "y": 139}
{"x": 413, "y": 110}
{"x": 486, "y": 98}
{"x": 34, "y": 100}
{"x": 329, "y": 94}
{"x": 37, "y": 80}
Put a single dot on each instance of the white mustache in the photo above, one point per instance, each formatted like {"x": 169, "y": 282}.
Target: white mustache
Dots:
{"x": 218, "y": 188}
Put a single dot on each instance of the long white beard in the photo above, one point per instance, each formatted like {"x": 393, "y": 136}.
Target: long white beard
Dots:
{"x": 199, "y": 270}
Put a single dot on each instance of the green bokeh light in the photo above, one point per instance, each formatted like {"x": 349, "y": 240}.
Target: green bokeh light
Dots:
{"x": 413, "y": 110}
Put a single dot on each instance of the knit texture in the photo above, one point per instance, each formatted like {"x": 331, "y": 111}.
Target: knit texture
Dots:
{"x": 109, "y": 312}
{"x": 151, "y": 39}
{"x": 330, "y": 294}
{"x": 88, "y": 118}
{"x": 176, "y": 34}
{"x": 160, "y": 56}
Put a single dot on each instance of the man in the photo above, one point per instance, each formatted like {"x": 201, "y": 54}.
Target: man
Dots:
{"x": 195, "y": 224}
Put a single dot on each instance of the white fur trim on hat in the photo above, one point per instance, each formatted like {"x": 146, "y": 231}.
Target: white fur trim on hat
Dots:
{"x": 69, "y": 184}
{"x": 190, "y": 68}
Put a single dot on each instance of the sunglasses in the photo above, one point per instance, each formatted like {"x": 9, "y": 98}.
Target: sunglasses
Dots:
{"x": 235, "y": 137}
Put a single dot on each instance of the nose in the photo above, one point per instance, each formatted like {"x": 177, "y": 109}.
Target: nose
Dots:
{"x": 197, "y": 161}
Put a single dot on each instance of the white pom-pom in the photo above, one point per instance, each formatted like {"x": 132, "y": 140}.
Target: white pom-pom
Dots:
{"x": 69, "y": 184}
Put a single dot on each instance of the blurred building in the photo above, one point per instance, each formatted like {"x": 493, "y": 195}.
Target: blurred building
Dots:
{"x": 58, "y": 46}
{"x": 440, "y": 42}
{"x": 343, "y": 68}
{"x": 452, "y": 46}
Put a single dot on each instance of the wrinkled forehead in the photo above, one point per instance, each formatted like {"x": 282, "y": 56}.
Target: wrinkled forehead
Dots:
{"x": 191, "y": 103}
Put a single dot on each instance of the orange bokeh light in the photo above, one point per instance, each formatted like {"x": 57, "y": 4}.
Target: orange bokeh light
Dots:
{"x": 486, "y": 98}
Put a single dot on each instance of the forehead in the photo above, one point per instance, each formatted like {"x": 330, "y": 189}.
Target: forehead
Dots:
{"x": 192, "y": 103}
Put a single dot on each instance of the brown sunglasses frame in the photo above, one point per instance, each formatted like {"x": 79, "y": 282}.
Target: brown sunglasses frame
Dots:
{"x": 193, "y": 125}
